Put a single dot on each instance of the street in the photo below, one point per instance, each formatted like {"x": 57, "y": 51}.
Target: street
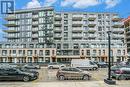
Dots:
{"x": 47, "y": 78}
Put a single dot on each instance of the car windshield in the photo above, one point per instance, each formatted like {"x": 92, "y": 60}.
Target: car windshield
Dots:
{"x": 54, "y": 63}
{"x": 75, "y": 69}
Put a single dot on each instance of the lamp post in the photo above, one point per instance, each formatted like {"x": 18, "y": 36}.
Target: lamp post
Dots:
{"x": 109, "y": 80}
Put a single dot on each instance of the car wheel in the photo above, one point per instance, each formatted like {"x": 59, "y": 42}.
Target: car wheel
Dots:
{"x": 25, "y": 78}
{"x": 121, "y": 78}
{"x": 51, "y": 67}
{"x": 86, "y": 77}
{"x": 61, "y": 77}
{"x": 94, "y": 68}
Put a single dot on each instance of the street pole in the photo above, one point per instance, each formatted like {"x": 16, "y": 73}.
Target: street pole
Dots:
{"x": 109, "y": 80}
{"x": 109, "y": 55}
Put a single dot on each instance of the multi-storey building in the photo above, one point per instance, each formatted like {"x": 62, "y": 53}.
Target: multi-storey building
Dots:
{"x": 127, "y": 34}
{"x": 43, "y": 35}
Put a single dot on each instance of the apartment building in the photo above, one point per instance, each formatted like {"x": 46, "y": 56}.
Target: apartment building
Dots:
{"x": 127, "y": 34}
{"x": 44, "y": 35}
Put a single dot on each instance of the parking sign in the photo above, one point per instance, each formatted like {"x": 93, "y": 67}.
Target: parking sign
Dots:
{"x": 7, "y": 6}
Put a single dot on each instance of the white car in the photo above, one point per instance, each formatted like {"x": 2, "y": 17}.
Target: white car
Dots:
{"x": 55, "y": 65}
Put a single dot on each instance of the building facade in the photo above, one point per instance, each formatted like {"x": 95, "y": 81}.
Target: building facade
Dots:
{"x": 44, "y": 35}
{"x": 127, "y": 34}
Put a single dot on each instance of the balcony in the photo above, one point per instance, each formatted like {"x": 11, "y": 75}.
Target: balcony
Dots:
{"x": 34, "y": 29}
{"x": 91, "y": 36}
{"x": 91, "y": 24}
{"x": 77, "y": 23}
{"x": 9, "y": 18}
{"x": 117, "y": 36}
{"x": 117, "y": 24}
{"x": 77, "y": 17}
{"x": 35, "y": 17}
{"x": 118, "y": 30}
{"x": 92, "y": 30}
{"x": 34, "y": 35}
{"x": 49, "y": 34}
{"x": 92, "y": 17}
{"x": 57, "y": 30}
{"x": 57, "y": 36}
{"x": 11, "y": 31}
{"x": 115, "y": 18}
{"x": 77, "y": 36}
{"x": 58, "y": 17}
{"x": 58, "y": 23}
{"x": 11, "y": 25}
{"x": 76, "y": 29}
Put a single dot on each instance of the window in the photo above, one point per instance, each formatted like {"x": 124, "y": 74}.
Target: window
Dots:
{"x": 14, "y": 51}
{"x": 65, "y": 46}
{"x": 111, "y": 52}
{"x": 76, "y": 52}
{"x": 65, "y": 15}
{"x": 99, "y": 52}
{"x": 94, "y": 52}
{"x": 58, "y": 46}
{"x": 47, "y": 52}
{"x": 41, "y": 52}
{"x": 31, "y": 45}
{"x": 76, "y": 46}
{"x": 65, "y": 28}
{"x": 99, "y": 28}
{"x": 29, "y": 52}
{"x": 103, "y": 52}
{"x": 4, "y": 52}
{"x": 65, "y": 34}
{"x": 88, "y": 52}
{"x": 82, "y": 52}
{"x": 119, "y": 52}
{"x": 65, "y": 21}
{"x": 20, "y": 52}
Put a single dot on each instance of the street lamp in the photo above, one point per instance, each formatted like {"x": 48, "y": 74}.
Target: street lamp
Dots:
{"x": 109, "y": 80}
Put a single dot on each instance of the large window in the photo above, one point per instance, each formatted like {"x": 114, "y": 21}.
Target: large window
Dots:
{"x": 88, "y": 52}
{"x": 47, "y": 52}
{"x": 119, "y": 52}
{"x": 29, "y": 52}
{"x": 65, "y": 46}
{"x": 4, "y": 52}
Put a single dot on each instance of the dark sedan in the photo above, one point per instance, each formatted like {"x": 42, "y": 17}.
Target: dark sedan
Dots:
{"x": 16, "y": 74}
{"x": 102, "y": 64}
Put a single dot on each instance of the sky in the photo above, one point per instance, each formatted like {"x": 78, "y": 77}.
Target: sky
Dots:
{"x": 122, "y": 7}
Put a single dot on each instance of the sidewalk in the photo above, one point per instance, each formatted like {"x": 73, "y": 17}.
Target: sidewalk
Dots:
{"x": 64, "y": 84}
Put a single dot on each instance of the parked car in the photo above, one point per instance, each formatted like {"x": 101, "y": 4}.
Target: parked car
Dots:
{"x": 29, "y": 70}
{"x": 4, "y": 65}
{"x": 122, "y": 73}
{"x": 84, "y": 64}
{"x": 31, "y": 66}
{"x": 72, "y": 73}
{"x": 102, "y": 64}
{"x": 116, "y": 67}
{"x": 55, "y": 65}
{"x": 16, "y": 74}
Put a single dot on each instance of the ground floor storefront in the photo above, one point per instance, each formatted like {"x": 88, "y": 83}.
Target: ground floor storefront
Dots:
{"x": 62, "y": 59}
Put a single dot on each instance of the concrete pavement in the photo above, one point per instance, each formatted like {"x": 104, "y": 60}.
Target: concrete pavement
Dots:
{"x": 64, "y": 84}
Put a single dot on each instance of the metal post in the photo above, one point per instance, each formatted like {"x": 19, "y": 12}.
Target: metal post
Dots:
{"x": 109, "y": 56}
{"x": 109, "y": 80}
